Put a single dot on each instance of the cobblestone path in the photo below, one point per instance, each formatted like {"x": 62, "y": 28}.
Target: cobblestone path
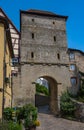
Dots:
{"x": 49, "y": 122}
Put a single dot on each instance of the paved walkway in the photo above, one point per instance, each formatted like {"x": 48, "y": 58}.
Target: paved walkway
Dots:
{"x": 49, "y": 122}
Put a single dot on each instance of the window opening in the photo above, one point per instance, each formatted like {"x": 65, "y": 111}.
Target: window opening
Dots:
{"x": 54, "y": 38}
{"x": 58, "y": 56}
{"x": 32, "y": 54}
{"x": 73, "y": 81}
{"x": 72, "y": 56}
{"x": 32, "y": 20}
{"x": 72, "y": 67}
{"x": 32, "y": 35}
{"x": 53, "y": 22}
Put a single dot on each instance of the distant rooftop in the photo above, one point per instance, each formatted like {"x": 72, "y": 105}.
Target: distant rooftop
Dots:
{"x": 76, "y": 50}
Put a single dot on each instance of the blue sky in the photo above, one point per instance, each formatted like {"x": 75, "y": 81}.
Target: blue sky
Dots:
{"x": 72, "y": 8}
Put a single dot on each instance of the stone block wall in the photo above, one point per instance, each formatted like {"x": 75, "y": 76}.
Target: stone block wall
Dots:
{"x": 43, "y": 54}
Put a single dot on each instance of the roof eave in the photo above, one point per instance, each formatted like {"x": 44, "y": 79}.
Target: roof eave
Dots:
{"x": 6, "y": 25}
{"x": 41, "y": 14}
{"x": 75, "y": 50}
{"x": 10, "y": 21}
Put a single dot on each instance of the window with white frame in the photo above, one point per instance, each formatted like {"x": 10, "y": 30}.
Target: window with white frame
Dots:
{"x": 72, "y": 56}
{"x": 72, "y": 67}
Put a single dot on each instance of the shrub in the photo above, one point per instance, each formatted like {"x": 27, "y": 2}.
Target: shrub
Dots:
{"x": 8, "y": 113}
{"x": 14, "y": 126}
{"x": 67, "y": 106}
{"x": 27, "y": 111}
{"x": 21, "y": 113}
{"x": 80, "y": 95}
{"x": 10, "y": 126}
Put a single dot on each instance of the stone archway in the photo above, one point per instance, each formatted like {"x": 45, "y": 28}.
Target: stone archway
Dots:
{"x": 52, "y": 100}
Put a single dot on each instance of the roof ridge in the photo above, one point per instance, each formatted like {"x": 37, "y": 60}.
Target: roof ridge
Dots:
{"x": 40, "y": 11}
{"x": 72, "y": 49}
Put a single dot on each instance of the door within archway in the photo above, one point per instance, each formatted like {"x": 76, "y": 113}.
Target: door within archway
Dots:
{"x": 46, "y": 101}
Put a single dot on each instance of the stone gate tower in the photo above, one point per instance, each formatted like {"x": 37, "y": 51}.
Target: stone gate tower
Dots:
{"x": 43, "y": 53}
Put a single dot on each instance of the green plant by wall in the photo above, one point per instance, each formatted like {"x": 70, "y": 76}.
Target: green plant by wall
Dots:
{"x": 67, "y": 106}
{"x": 8, "y": 113}
{"x": 14, "y": 126}
{"x": 10, "y": 126}
{"x": 28, "y": 113}
{"x": 80, "y": 96}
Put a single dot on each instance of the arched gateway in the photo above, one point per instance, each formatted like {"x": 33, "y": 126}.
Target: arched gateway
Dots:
{"x": 43, "y": 52}
{"x": 52, "y": 100}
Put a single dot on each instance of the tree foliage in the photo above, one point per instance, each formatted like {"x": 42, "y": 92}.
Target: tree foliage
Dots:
{"x": 42, "y": 89}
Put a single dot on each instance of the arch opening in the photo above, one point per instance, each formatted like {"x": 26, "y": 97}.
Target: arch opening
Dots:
{"x": 46, "y": 95}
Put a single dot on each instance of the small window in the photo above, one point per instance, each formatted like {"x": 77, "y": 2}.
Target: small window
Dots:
{"x": 72, "y": 56}
{"x": 14, "y": 74}
{"x": 32, "y": 20}
{"x": 32, "y": 54}
{"x": 58, "y": 56}
{"x": 54, "y": 38}
{"x": 32, "y": 35}
{"x": 53, "y": 22}
{"x": 72, "y": 67}
{"x": 73, "y": 81}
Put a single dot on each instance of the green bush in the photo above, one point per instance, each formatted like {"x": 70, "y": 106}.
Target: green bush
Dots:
{"x": 42, "y": 89}
{"x": 8, "y": 113}
{"x": 14, "y": 126}
{"x": 67, "y": 106}
{"x": 28, "y": 113}
{"x": 21, "y": 113}
{"x": 10, "y": 126}
{"x": 80, "y": 95}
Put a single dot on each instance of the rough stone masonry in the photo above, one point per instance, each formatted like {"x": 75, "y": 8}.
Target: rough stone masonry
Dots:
{"x": 43, "y": 53}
